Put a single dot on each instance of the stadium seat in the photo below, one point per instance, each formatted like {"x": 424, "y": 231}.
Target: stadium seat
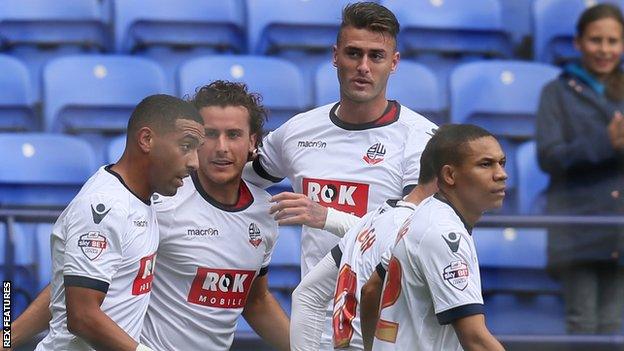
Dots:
{"x": 38, "y": 30}
{"x": 513, "y": 260}
{"x": 44, "y": 255}
{"x": 501, "y": 96}
{"x": 278, "y": 81}
{"x": 96, "y": 93}
{"x": 451, "y": 26}
{"x": 282, "y": 25}
{"x": 42, "y": 170}
{"x": 413, "y": 85}
{"x": 173, "y": 31}
{"x": 554, "y": 29}
{"x": 284, "y": 271}
{"x": 17, "y": 98}
{"x": 115, "y": 149}
{"x": 532, "y": 181}
{"x": 513, "y": 314}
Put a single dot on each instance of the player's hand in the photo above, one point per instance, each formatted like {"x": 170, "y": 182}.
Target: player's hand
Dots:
{"x": 292, "y": 209}
{"x": 616, "y": 131}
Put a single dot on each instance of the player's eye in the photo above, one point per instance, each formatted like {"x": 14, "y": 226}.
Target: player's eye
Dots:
{"x": 212, "y": 134}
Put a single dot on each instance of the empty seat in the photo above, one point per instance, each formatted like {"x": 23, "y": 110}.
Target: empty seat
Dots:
{"x": 96, "y": 92}
{"x": 42, "y": 170}
{"x": 284, "y": 272}
{"x": 554, "y": 29}
{"x": 451, "y": 26}
{"x": 17, "y": 98}
{"x": 514, "y": 314}
{"x": 38, "y": 30}
{"x": 278, "y": 81}
{"x": 532, "y": 181}
{"x": 413, "y": 85}
{"x": 44, "y": 255}
{"x": 115, "y": 149}
{"x": 173, "y": 31}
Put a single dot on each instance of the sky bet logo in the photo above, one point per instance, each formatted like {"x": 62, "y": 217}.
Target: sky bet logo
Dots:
{"x": 221, "y": 288}
{"x": 343, "y": 196}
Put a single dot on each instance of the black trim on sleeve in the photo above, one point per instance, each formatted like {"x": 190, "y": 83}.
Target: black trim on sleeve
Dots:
{"x": 337, "y": 255}
{"x": 453, "y": 314}
{"x": 263, "y": 271}
{"x": 262, "y": 172}
{"x": 408, "y": 189}
{"x": 85, "y": 282}
{"x": 381, "y": 271}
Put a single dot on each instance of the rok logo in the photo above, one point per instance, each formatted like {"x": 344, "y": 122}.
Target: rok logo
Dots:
{"x": 220, "y": 288}
{"x": 143, "y": 281}
{"x": 92, "y": 244}
{"x": 344, "y": 196}
{"x": 255, "y": 238}
{"x": 375, "y": 154}
{"x": 456, "y": 274}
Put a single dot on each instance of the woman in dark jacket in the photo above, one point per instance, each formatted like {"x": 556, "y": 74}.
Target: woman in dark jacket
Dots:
{"x": 580, "y": 141}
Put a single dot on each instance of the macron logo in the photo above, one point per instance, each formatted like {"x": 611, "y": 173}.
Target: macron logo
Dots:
{"x": 314, "y": 144}
{"x": 99, "y": 212}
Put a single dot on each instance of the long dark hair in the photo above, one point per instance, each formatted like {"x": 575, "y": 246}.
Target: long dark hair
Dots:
{"x": 614, "y": 83}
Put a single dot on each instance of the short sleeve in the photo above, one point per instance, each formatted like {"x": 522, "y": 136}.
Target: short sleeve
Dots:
{"x": 270, "y": 163}
{"x": 93, "y": 245}
{"x": 452, "y": 273}
{"x": 270, "y": 245}
{"x": 414, "y": 147}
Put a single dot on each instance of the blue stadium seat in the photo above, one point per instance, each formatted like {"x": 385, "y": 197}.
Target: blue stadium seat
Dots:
{"x": 413, "y": 85}
{"x": 17, "y": 98}
{"x": 284, "y": 271}
{"x": 451, "y": 26}
{"x": 96, "y": 93}
{"x": 173, "y": 31}
{"x": 116, "y": 149}
{"x": 42, "y": 170}
{"x": 554, "y": 29}
{"x": 532, "y": 181}
{"x": 44, "y": 255}
{"x": 501, "y": 96}
{"x": 278, "y": 81}
{"x": 512, "y": 314}
{"x": 38, "y": 30}
{"x": 283, "y": 25}
{"x": 282, "y": 186}
{"x": 513, "y": 260}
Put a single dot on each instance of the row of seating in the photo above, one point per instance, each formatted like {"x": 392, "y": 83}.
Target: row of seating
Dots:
{"x": 268, "y": 26}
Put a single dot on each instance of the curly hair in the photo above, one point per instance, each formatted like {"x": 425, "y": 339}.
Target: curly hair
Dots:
{"x": 223, "y": 93}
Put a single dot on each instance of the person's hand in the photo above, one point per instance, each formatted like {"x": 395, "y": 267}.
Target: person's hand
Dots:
{"x": 292, "y": 209}
{"x": 616, "y": 131}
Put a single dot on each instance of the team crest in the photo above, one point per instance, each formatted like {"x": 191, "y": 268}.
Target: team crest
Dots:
{"x": 375, "y": 154}
{"x": 254, "y": 235}
{"x": 456, "y": 274}
{"x": 92, "y": 244}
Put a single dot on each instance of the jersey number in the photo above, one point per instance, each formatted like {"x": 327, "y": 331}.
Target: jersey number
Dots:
{"x": 387, "y": 330}
{"x": 345, "y": 306}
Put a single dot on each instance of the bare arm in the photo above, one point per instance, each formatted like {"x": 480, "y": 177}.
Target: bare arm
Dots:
{"x": 474, "y": 335}
{"x": 33, "y": 320}
{"x": 265, "y": 315}
{"x": 86, "y": 320}
{"x": 371, "y": 294}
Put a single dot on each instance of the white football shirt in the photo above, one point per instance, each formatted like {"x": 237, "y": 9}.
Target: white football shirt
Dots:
{"x": 350, "y": 167}
{"x": 106, "y": 240}
{"x": 433, "y": 279}
{"x": 208, "y": 258}
{"x": 360, "y": 251}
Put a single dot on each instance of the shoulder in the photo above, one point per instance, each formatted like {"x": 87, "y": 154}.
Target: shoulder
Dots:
{"x": 303, "y": 118}
{"x": 261, "y": 196}
{"x": 416, "y": 122}
{"x": 163, "y": 203}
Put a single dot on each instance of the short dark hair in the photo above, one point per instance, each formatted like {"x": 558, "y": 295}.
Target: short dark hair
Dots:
{"x": 427, "y": 173}
{"x": 224, "y": 93}
{"x": 160, "y": 112}
{"x": 371, "y": 16}
{"x": 449, "y": 142}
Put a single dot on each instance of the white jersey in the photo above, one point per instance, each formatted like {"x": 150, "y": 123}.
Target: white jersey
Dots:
{"x": 350, "y": 167}
{"x": 433, "y": 279}
{"x": 106, "y": 240}
{"x": 360, "y": 252}
{"x": 208, "y": 258}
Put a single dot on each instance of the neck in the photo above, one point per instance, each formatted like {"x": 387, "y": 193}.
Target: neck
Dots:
{"x": 226, "y": 194}
{"x": 467, "y": 212}
{"x": 360, "y": 113}
{"x": 418, "y": 194}
{"x": 132, "y": 170}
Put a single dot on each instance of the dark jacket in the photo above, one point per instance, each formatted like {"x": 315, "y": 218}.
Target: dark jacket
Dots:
{"x": 586, "y": 173}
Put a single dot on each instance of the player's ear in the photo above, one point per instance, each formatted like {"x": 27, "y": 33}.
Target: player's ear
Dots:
{"x": 145, "y": 139}
{"x": 447, "y": 175}
{"x": 252, "y": 142}
{"x": 396, "y": 57}
{"x": 335, "y": 55}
